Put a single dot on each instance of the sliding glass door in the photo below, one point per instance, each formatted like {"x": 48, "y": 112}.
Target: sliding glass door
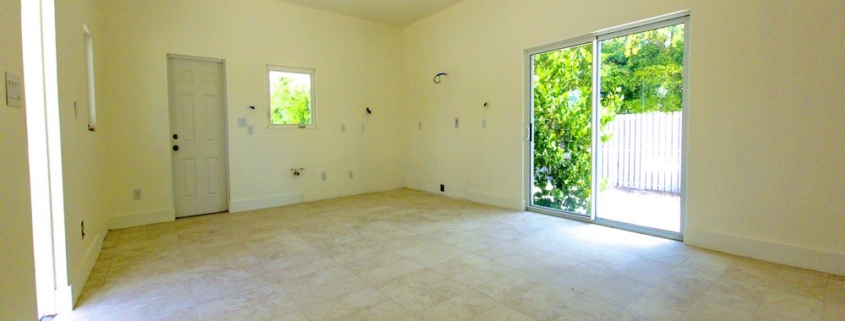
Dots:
{"x": 642, "y": 77}
{"x": 607, "y": 124}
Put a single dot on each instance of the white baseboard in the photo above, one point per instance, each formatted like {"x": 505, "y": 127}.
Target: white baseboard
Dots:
{"x": 66, "y": 296}
{"x": 259, "y": 203}
{"x": 496, "y": 200}
{"x": 138, "y": 219}
{"x": 84, "y": 268}
{"x": 792, "y": 255}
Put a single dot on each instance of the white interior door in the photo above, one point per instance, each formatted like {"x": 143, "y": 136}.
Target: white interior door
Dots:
{"x": 198, "y": 135}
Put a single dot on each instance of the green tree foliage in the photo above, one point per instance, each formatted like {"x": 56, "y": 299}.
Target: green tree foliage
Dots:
{"x": 563, "y": 93}
{"x": 290, "y": 102}
{"x": 640, "y": 73}
{"x": 646, "y": 68}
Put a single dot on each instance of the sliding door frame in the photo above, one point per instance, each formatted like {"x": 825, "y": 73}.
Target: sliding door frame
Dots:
{"x": 681, "y": 17}
{"x": 529, "y": 77}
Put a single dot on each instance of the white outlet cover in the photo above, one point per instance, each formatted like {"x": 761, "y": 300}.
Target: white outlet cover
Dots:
{"x": 14, "y": 90}
{"x": 242, "y": 122}
{"x": 457, "y": 123}
{"x": 250, "y": 130}
{"x": 363, "y": 127}
{"x": 483, "y": 124}
{"x": 342, "y": 128}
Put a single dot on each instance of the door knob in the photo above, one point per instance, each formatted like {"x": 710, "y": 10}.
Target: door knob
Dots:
{"x": 175, "y": 147}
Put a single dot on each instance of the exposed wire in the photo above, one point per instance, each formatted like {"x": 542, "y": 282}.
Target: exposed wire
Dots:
{"x": 437, "y": 77}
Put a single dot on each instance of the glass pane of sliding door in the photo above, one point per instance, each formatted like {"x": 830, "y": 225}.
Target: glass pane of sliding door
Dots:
{"x": 639, "y": 155}
{"x": 562, "y": 134}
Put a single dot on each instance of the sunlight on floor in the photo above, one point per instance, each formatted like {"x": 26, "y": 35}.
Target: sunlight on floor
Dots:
{"x": 655, "y": 210}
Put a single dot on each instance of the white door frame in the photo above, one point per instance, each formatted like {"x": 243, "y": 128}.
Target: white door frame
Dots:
{"x": 38, "y": 28}
{"x": 223, "y": 106}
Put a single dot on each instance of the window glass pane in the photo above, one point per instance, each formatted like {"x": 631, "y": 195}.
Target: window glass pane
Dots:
{"x": 563, "y": 106}
{"x": 641, "y": 125}
{"x": 290, "y": 98}
{"x": 643, "y": 72}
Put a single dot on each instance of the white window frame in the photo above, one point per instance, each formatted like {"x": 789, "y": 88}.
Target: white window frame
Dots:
{"x": 313, "y": 101}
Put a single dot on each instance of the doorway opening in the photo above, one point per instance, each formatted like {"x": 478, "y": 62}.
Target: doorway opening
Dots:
{"x": 606, "y": 131}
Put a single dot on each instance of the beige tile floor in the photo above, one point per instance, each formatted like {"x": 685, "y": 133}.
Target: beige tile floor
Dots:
{"x": 407, "y": 255}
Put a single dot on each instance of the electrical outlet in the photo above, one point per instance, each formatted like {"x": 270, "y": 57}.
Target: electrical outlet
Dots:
{"x": 250, "y": 130}
{"x": 342, "y": 128}
{"x": 136, "y": 194}
{"x": 442, "y": 188}
{"x": 242, "y": 122}
{"x": 83, "y": 229}
{"x": 484, "y": 124}
{"x": 363, "y": 128}
{"x": 350, "y": 175}
{"x": 420, "y": 126}
{"x": 457, "y": 123}
{"x": 323, "y": 176}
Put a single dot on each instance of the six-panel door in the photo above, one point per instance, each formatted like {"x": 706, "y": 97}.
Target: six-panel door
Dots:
{"x": 198, "y": 136}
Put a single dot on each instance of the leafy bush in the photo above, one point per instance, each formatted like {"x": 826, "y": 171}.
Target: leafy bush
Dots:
{"x": 290, "y": 102}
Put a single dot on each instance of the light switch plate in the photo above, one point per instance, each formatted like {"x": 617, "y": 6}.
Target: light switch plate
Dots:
{"x": 242, "y": 122}
{"x": 14, "y": 90}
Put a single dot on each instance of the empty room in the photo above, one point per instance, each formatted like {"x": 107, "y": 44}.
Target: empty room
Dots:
{"x": 422, "y": 160}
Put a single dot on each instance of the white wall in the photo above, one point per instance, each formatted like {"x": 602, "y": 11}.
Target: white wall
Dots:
{"x": 83, "y": 152}
{"x": 766, "y": 121}
{"x": 358, "y": 65}
{"x": 767, "y": 167}
{"x": 17, "y": 297}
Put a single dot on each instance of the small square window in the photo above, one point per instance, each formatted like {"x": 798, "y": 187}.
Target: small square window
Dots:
{"x": 292, "y": 99}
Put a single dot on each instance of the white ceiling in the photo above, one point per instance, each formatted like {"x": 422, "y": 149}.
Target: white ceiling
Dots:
{"x": 395, "y": 12}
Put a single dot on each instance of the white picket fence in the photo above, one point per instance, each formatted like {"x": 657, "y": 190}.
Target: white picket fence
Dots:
{"x": 644, "y": 152}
